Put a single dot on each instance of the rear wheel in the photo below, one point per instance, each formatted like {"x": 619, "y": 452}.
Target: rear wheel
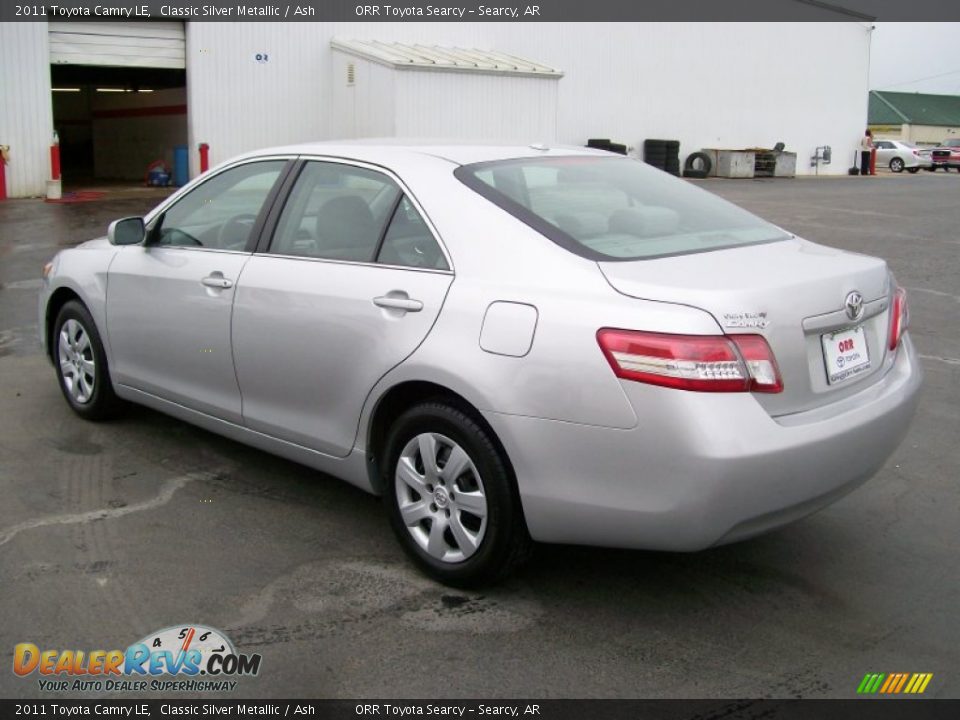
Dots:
{"x": 896, "y": 165}
{"x": 81, "y": 363}
{"x": 451, "y": 498}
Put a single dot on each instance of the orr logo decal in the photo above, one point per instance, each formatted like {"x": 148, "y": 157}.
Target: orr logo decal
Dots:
{"x": 186, "y": 658}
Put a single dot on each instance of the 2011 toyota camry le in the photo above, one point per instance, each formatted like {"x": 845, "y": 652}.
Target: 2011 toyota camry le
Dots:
{"x": 508, "y": 344}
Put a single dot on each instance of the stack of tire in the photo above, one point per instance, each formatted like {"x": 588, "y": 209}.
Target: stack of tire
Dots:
{"x": 663, "y": 154}
{"x": 605, "y": 144}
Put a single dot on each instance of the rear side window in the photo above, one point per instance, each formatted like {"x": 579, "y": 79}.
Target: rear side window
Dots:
{"x": 409, "y": 242}
{"x": 614, "y": 208}
{"x": 337, "y": 212}
{"x": 343, "y": 212}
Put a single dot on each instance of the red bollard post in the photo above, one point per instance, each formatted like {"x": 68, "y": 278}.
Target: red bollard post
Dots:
{"x": 55, "y": 160}
{"x": 873, "y": 161}
{"x": 204, "y": 157}
{"x": 4, "y": 149}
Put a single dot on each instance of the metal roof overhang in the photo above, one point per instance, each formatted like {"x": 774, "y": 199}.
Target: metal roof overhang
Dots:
{"x": 438, "y": 58}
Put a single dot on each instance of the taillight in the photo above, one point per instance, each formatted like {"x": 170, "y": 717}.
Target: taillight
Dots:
{"x": 705, "y": 363}
{"x": 899, "y": 317}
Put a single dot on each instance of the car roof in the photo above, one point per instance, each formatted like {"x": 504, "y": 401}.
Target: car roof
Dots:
{"x": 387, "y": 150}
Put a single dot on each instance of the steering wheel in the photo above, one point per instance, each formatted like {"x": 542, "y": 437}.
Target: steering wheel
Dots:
{"x": 239, "y": 226}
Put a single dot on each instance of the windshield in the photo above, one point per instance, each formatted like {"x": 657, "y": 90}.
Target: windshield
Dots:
{"x": 614, "y": 208}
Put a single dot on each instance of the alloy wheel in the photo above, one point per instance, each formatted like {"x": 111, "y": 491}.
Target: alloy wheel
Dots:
{"x": 441, "y": 497}
{"x": 77, "y": 362}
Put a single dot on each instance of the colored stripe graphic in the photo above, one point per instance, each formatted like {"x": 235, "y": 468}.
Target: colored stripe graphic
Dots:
{"x": 903, "y": 679}
{"x": 891, "y": 680}
{"x": 894, "y": 683}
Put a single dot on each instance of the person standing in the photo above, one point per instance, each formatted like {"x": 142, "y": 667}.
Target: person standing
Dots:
{"x": 866, "y": 148}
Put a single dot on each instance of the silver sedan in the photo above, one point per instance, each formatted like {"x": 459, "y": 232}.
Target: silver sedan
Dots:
{"x": 508, "y": 344}
{"x": 900, "y": 156}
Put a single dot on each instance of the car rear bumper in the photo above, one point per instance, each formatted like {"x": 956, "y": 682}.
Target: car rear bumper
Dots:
{"x": 702, "y": 468}
{"x": 914, "y": 161}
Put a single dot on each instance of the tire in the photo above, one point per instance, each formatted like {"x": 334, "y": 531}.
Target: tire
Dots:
{"x": 913, "y": 170}
{"x": 81, "y": 364}
{"x": 896, "y": 165}
{"x": 462, "y": 544}
{"x": 705, "y": 161}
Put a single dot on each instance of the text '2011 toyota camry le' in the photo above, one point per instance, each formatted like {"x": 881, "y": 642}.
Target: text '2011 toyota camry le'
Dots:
{"x": 507, "y": 343}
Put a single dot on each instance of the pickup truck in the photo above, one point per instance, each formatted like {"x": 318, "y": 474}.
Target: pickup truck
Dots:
{"x": 946, "y": 155}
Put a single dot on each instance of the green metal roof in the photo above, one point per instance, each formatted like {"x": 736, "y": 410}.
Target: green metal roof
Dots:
{"x": 895, "y": 108}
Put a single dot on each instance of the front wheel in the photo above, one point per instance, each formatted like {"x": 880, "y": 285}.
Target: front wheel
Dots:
{"x": 451, "y": 498}
{"x": 896, "y": 165}
{"x": 81, "y": 363}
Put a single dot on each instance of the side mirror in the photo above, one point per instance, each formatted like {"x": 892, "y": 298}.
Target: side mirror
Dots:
{"x": 126, "y": 231}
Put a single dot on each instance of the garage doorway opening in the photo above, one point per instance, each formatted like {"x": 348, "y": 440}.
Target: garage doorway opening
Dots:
{"x": 119, "y": 97}
{"x": 113, "y": 123}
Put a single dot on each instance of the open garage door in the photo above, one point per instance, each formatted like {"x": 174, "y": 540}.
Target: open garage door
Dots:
{"x": 119, "y": 100}
{"x": 144, "y": 44}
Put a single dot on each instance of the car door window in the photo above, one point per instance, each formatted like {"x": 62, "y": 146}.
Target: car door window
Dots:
{"x": 220, "y": 213}
{"x": 335, "y": 212}
{"x": 409, "y": 242}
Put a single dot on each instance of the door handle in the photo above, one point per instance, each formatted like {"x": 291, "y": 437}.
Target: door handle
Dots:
{"x": 398, "y": 303}
{"x": 217, "y": 280}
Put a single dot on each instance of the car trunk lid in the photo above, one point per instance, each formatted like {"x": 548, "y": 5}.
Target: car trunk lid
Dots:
{"x": 794, "y": 294}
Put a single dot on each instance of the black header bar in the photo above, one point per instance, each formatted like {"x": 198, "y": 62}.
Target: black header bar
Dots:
{"x": 378, "y": 709}
{"x": 490, "y": 11}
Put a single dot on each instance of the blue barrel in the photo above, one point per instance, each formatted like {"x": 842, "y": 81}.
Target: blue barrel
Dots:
{"x": 181, "y": 165}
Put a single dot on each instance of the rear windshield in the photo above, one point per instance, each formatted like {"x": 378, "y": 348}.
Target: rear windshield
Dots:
{"x": 614, "y": 208}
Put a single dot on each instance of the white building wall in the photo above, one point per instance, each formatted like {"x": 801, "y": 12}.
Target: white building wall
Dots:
{"x": 929, "y": 134}
{"x": 366, "y": 107}
{"x": 725, "y": 85}
{"x": 476, "y": 107}
{"x": 719, "y": 85}
{"x": 705, "y": 84}
{"x": 26, "y": 112}
{"x": 236, "y": 103}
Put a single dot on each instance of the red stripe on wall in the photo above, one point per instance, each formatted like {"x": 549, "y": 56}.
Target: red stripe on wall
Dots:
{"x": 142, "y": 111}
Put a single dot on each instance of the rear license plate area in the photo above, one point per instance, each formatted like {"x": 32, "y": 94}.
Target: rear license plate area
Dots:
{"x": 845, "y": 354}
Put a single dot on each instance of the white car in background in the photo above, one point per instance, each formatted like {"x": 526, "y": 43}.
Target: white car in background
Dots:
{"x": 900, "y": 156}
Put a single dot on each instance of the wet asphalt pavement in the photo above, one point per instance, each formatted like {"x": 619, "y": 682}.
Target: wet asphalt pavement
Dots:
{"x": 111, "y": 531}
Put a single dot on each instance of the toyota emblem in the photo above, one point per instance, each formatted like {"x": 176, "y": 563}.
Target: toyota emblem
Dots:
{"x": 854, "y": 305}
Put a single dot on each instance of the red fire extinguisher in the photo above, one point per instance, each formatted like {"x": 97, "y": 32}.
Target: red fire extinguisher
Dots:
{"x": 204, "y": 157}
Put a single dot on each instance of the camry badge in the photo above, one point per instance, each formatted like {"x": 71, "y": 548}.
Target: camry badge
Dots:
{"x": 854, "y": 305}
{"x": 756, "y": 320}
